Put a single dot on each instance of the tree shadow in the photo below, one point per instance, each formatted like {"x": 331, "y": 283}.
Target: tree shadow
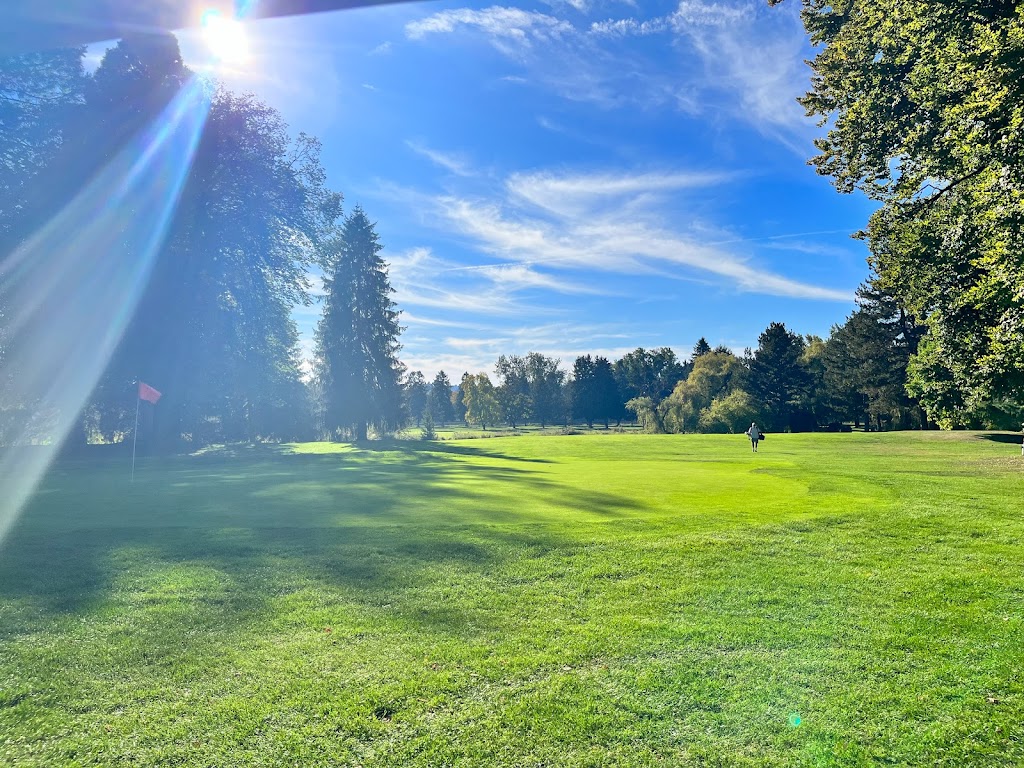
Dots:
{"x": 272, "y": 521}
{"x": 417, "y": 447}
{"x": 1012, "y": 438}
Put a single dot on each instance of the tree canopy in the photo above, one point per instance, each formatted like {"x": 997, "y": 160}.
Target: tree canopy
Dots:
{"x": 925, "y": 103}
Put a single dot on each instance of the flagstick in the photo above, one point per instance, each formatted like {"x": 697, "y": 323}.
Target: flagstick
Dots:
{"x": 135, "y": 435}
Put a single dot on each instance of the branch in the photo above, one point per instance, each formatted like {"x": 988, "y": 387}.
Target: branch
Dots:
{"x": 921, "y": 204}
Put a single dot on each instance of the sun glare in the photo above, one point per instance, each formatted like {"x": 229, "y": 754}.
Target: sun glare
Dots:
{"x": 225, "y": 37}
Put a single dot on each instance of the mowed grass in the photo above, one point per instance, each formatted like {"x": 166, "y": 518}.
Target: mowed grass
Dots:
{"x": 599, "y": 600}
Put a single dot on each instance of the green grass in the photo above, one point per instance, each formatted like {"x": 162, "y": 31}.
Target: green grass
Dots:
{"x": 594, "y": 600}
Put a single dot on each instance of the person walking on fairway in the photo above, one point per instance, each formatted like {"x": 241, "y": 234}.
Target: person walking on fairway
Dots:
{"x": 754, "y": 434}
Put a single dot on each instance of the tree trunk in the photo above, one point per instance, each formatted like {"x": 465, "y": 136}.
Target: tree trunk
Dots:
{"x": 361, "y": 431}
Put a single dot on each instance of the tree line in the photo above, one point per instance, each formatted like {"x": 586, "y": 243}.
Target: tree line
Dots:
{"x": 855, "y": 378}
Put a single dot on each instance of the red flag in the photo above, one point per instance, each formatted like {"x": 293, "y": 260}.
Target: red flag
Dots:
{"x": 147, "y": 393}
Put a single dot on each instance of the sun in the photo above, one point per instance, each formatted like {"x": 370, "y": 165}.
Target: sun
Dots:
{"x": 225, "y": 37}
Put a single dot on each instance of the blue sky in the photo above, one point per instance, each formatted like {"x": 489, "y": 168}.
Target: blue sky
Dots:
{"x": 571, "y": 176}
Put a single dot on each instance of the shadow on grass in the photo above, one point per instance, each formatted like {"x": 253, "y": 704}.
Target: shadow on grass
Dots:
{"x": 368, "y": 523}
{"x": 1002, "y": 437}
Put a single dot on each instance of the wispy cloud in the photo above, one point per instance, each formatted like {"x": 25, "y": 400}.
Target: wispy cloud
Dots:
{"x": 629, "y": 27}
{"x": 421, "y": 279}
{"x": 611, "y": 223}
{"x": 567, "y": 194}
{"x": 508, "y": 29}
{"x": 450, "y": 161}
{"x": 739, "y": 57}
{"x": 553, "y": 52}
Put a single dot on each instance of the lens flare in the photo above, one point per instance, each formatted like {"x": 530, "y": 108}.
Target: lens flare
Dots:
{"x": 225, "y": 37}
{"x": 73, "y": 285}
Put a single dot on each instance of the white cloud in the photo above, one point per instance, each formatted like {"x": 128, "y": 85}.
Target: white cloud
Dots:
{"x": 382, "y": 49}
{"x": 509, "y": 29}
{"x": 569, "y": 194}
{"x": 554, "y": 53}
{"x": 421, "y": 279}
{"x": 451, "y": 162}
{"x": 691, "y": 13}
{"x": 740, "y": 58}
{"x": 629, "y": 27}
{"x": 611, "y": 223}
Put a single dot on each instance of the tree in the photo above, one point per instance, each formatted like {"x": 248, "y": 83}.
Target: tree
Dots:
{"x": 649, "y": 373}
{"x": 440, "y": 399}
{"x": 213, "y": 327}
{"x": 481, "y": 398}
{"x": 778, "y": 380}
{"x": 866, "y": 361}
{"x": 923, "y": 102}
{"x": 584, "y": 397}
{"x": 729, "y": 414}
{"x": 357, "y": 337}
{"x": 648, "y": 414}
{"x": 459, "y": 399}
{"x": 546, "y": 380}
{"x": 39, "y": 92}
{"x": 415, "y": 395}
{"x": 715, "y": 375}
{"x": 514, "y": 389}
{"x": 605, "y": 392}
{"x": 701, "y": 348}
{"x": 817, "y": 403}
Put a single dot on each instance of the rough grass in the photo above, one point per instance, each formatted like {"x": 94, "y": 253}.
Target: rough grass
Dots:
{"x": 605, "y": 600}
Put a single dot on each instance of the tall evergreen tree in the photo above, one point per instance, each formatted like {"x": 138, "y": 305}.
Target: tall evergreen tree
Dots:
{"x": 459, "y": 399}
{"x": 357, "y": 337}
{"x": 440, "y": 399}
{"x": 778, "y": 379}
{"x": 701, "y": 347}
{"x": 867, "y": 358}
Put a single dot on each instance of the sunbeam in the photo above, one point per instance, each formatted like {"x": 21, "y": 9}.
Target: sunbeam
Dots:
{"x": 72, "y": 287}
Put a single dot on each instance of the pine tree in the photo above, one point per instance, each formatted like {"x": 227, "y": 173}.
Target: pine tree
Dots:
{"x": 357, "y": 337}
{"x": 439, "y": 402}
{"x": 778, "y": 379}
{"x": 701, "y": 348}
{"x": 459, "y": 399}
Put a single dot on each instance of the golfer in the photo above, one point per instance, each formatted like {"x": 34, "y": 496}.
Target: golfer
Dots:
{"x": 754, "y": 434}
